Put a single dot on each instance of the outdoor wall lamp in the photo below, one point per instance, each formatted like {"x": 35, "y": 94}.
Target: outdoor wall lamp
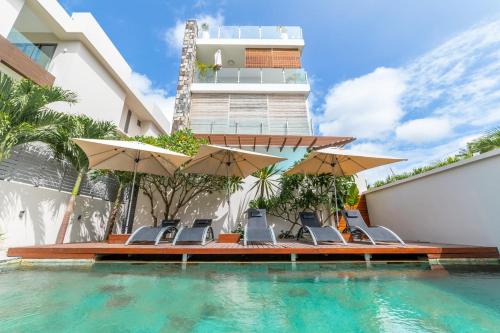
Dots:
{"x": 21, "y": 213}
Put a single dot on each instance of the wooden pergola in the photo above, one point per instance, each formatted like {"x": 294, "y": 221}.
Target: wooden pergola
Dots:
{"x": 280, "y": 141}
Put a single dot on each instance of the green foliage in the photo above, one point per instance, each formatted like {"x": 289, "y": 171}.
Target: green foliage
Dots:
{"x": 25, "y": 115}
{"x": 299, "y": 193}
{"x": 483, "y": 144}
{"x": 266, "y": 183}
{"x": 78, "y": 126}
{"x": 179, "y": 190}
{"x": 204, "y": 69}
{"x": 487, "y": 142}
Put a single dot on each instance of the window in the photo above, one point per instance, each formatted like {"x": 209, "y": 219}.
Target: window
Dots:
{"x": 127, "y": 121}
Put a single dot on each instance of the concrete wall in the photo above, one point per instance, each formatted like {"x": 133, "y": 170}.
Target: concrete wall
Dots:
{"x": 9, "y": 10}
{"x": 456, "y": 204}
{"x": 43, "y": 213}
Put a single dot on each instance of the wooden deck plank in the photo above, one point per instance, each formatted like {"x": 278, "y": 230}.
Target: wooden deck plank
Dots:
{"x": 90, "y": 250}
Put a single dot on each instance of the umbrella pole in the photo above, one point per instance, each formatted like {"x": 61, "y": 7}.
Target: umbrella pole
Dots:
{"x": 336, "y": 207}
{"x": 136, "y": 161}
{"x": 228, "y": 192}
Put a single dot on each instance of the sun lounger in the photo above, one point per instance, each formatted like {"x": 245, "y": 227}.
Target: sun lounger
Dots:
{"x": 257, "y": 229}
{"x": 356, "y": 225}
{"x": 312, "y": 225}
{"x": 148, "y": 235}
{"x": 199, "y": 232}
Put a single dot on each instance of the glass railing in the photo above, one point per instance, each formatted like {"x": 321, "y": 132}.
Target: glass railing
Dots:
{"x": 252, "y": 126}
{"x": 250, "y": 32}
{"x": 32, "y": 50}
{"x": 252, "y": 75}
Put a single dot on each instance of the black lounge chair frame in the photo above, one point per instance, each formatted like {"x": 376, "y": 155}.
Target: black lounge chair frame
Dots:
{"x": 257, "y": 229}
{"x": 361, "y": 228}
{"x": 312, "y": 226}
{"x": 200, "y": 231}
{"x": 148, "y": 234}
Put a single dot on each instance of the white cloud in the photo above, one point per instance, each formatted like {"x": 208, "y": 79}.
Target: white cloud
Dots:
{"x": 367, "y": 106}
{"x": 425, "y": 110}
{"x": 143, "y": 85}
{"x": 174, "y": 35}
{"x": 424, "y": 130}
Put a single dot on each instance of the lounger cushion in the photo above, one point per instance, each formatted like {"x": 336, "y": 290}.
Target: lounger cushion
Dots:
{"x": 309, "y": 219}
{"x": 351, "y": 214}
{"x": 259, "y": 235}
{"x": 148, "y": 234}
{"x": 255, "y": 213}
{"x": 191, "y": 235}
{"x": 325, "y": 234}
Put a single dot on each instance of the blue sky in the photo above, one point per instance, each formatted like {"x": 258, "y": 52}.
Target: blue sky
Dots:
{"x": 415, "y": 79}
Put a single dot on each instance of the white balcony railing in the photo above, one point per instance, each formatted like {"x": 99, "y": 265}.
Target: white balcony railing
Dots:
{"x": 249, "y": 32}
{"x": 252, "y": 75}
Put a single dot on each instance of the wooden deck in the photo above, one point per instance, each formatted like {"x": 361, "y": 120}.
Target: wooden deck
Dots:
{"x": 92, "y": 250}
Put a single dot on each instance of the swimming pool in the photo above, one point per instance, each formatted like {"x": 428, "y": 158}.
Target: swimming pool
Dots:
{"x": 264, "y": 297}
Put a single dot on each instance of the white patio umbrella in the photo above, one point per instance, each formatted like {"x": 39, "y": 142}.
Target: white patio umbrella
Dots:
{"x": 229, "y": 162}
{"x": 339, "y": 162}
{"x": 131, "y": 156}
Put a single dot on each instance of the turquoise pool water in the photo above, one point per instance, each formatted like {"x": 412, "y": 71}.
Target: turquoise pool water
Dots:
{"x": 274, "y": 297}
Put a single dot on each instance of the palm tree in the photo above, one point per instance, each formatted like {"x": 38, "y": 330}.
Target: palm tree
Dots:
{"x": 124, "y": 179}
{"x": 77, "y": 127}
{"x": 266, "y": 182}
{"x": 25, "y": 115}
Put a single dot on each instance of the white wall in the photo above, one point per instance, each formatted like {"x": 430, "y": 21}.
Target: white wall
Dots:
{"x": 44, "y": 209}
{"x": 209, "y": 206}
{"x": 76, "y": 69}
{"x": 455, "y": 204}
{"x": 9, "y": 10}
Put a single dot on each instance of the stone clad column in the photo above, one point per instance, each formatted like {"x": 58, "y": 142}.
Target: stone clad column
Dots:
{"x": 186, "y": 73}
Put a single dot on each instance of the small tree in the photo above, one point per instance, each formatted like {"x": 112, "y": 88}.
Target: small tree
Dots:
{"x": 180, "y": 189}
{"x": 25, "y": 115}
{"x": 300, "y": 193}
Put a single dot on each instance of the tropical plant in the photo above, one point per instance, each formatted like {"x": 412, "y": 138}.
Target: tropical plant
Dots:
{"x": 266, "y": 183}
{"x": 25, "y": 114}
{"x": 204, "y": 69}
{"x": 489, "y": 141}
{"x": 180, "y": 189}
{"x": 79, "y": 126}
{"x": 298, "y": 193}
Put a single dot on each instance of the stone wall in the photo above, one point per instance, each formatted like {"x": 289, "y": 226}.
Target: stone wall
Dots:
{"x": 186, "y": 72}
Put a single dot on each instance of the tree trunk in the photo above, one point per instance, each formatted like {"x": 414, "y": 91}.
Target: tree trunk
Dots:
{"x": 114, "y": 213}
{"x": 69, "y": 210}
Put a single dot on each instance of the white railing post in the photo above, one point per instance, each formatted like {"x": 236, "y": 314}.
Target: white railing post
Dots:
{"x": 215, "y": 76}
{"x": 260, "y": 32}
{"x": 286, "y": 127}
{"x": 236, "y": 127}
{"x": 283, "y": 73}
{"x": 261, "y": 76}
{"x": 239, "y": 32}
{"x": 305, "y": 74}
{"x": 239, "y": 75}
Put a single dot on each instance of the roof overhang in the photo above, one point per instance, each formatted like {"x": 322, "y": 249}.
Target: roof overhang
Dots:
{"x": 280, "y": 141}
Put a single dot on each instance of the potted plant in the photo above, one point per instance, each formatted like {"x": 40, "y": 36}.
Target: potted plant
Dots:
{"x": 233, "y": 237}
{"x": 205, "y": 34}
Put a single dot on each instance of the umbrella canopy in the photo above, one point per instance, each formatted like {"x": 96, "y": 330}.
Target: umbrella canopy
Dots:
{"x": 225, "y": 161}
{"x": 339, "y": 162}
{"x": 131, "y": 156}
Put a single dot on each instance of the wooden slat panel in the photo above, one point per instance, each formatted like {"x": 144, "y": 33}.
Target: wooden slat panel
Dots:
{"x": 15, "y": 59}
{"x": 291, "y": 108}
{"x": 258, "y": 58}
{"x": 286, "y": 58}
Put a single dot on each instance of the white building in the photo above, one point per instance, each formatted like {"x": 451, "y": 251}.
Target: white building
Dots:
{"x": 39, "y": 40}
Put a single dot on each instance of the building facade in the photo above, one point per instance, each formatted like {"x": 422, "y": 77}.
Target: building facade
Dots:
{"x": 39, "y": 40}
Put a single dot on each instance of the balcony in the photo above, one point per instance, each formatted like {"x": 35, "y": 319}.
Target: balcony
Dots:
{"x": 39, "y": 53}
{"x": 249, "y": 126}
{"x": 250, "y": 32}
{"x": 252, "y": 76}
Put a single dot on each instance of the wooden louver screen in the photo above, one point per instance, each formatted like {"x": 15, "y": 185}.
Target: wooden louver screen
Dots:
{"x": 272, "y": 58}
